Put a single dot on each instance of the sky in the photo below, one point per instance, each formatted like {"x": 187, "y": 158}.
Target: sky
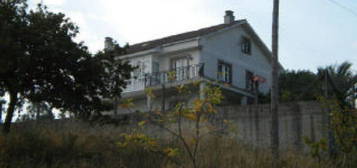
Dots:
{"x": 313, "y": 33}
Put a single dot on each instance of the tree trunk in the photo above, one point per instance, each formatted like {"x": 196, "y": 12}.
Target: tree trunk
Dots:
{"x": 37, "y": 105}
{"x": 275, "y": 87}
{"x": 10, "y": 111}
{"x": 1, "y": 111}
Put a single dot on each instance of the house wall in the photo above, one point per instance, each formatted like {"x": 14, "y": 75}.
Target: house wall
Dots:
{"x": 226, "y": 46}
{"x": 144, "y": 63}
{"x": 145, "y": 59}
{"x": 165, "y": 53}
{"x": 164, "y": 60}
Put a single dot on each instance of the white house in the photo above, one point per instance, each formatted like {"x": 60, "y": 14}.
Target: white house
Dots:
{"x": 229, "y": 54}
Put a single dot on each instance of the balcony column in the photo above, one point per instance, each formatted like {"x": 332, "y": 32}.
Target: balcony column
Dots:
{"x": 148, "y": 102}
{"x": 202, "y": 90}
{"x": 244, "y": 100}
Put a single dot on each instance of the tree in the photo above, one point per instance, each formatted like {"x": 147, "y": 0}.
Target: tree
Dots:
{"x": 113, "y": 71}
{"x": 275, "y": 86}
{"x": 39, "y": 110}
{"x": 338, "y": 80}
{"x": 40, "y": 62}
{"x": 341, "y": 79}
{"x": 197, "y": 112}
{"x": 299, "y": 85}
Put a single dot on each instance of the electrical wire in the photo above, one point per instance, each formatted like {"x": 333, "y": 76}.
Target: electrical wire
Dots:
{"x": 344, "y": 7}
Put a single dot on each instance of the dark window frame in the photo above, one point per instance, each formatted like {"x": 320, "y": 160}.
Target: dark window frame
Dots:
{"x": 249, "y": 83}
{"x": 222, "y": 77}
{"x": 246, "y": 46}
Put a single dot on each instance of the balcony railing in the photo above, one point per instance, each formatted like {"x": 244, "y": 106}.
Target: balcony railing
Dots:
{"x": 175, "y": 75}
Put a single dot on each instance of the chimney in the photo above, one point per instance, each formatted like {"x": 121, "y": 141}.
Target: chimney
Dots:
{"x": 108, "y": 44}
{"x": 229, "y": 17}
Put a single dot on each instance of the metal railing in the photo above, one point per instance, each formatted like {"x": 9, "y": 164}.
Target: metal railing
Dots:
{"x": 158, "y": 78}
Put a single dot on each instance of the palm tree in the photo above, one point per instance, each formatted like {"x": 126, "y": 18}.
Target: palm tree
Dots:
{"x": 340, "y": 78}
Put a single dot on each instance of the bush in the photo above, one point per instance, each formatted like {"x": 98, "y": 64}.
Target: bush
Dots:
{"x": 48, "y": 148}
{"x": 73, "y": 144}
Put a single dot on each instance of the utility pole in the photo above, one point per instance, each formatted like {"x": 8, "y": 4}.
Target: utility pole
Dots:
{"x": 354, "y": 96}
{"x": 275, "y": 86}
{"x": 330, "y": 136}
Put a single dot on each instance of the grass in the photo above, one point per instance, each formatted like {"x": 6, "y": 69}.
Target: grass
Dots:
{"x": 67, "y": 144}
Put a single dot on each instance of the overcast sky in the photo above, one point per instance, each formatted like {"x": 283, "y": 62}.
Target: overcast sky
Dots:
{"x": 313, "y": 33}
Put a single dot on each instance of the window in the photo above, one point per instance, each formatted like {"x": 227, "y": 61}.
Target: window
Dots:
{"x": 155, "y": 77}
{"x": 180, "y": 65}
{"x": 246, "y": 46}
{"x": 249, "y": 83}
{"x": 140, "y": 70}
{"x": 155, "y": 67}
{"x": 224, "y": 72}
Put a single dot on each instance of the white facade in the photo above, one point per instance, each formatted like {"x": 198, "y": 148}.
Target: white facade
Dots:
{"x": 198, "y": 58}
{"x": 162, "y": 59}
{"x": 226, "y": 46}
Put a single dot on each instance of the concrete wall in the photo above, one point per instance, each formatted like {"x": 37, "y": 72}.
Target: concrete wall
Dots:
{"x": 251, "y": 124}
{"x": 226, "y": 46}
{"x": 296, "y": 121}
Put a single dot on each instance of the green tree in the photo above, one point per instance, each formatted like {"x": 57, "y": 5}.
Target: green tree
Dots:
{"x": 40, "y": 62}
{"x": 38, "y": 110}
{"x": 112, "y": 71}
{"x": 340, "y": 78}
{"x": 196, "y": 112}
{"x": 299, "y": 85}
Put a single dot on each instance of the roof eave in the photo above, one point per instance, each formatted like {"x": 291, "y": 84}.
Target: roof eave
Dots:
{"x": 156, "y": 50}
{"x": 260, "y": 43}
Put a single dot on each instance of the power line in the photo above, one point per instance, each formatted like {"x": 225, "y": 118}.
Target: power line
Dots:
{"x": 344, "y": 7}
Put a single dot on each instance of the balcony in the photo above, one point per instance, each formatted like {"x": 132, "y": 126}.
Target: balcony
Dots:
{"x": 154, "y": 79}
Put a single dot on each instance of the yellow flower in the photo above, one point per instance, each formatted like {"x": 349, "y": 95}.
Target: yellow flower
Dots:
{"x": 142, "y": 123}
{"x": 197, "y": 105}
{"x": 127, "y": 103}
{"x": 170, "y": 152}
{"x": 190, "y": 116}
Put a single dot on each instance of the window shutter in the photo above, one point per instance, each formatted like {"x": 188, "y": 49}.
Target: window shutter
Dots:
{"x": 219, "y": 73}
{"x": 230, "y": 74}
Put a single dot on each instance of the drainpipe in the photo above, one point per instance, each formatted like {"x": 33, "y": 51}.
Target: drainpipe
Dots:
{"x": 256, "y": 97}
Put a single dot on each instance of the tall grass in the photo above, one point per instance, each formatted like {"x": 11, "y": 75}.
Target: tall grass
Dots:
{"x": 67, "y": 144}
